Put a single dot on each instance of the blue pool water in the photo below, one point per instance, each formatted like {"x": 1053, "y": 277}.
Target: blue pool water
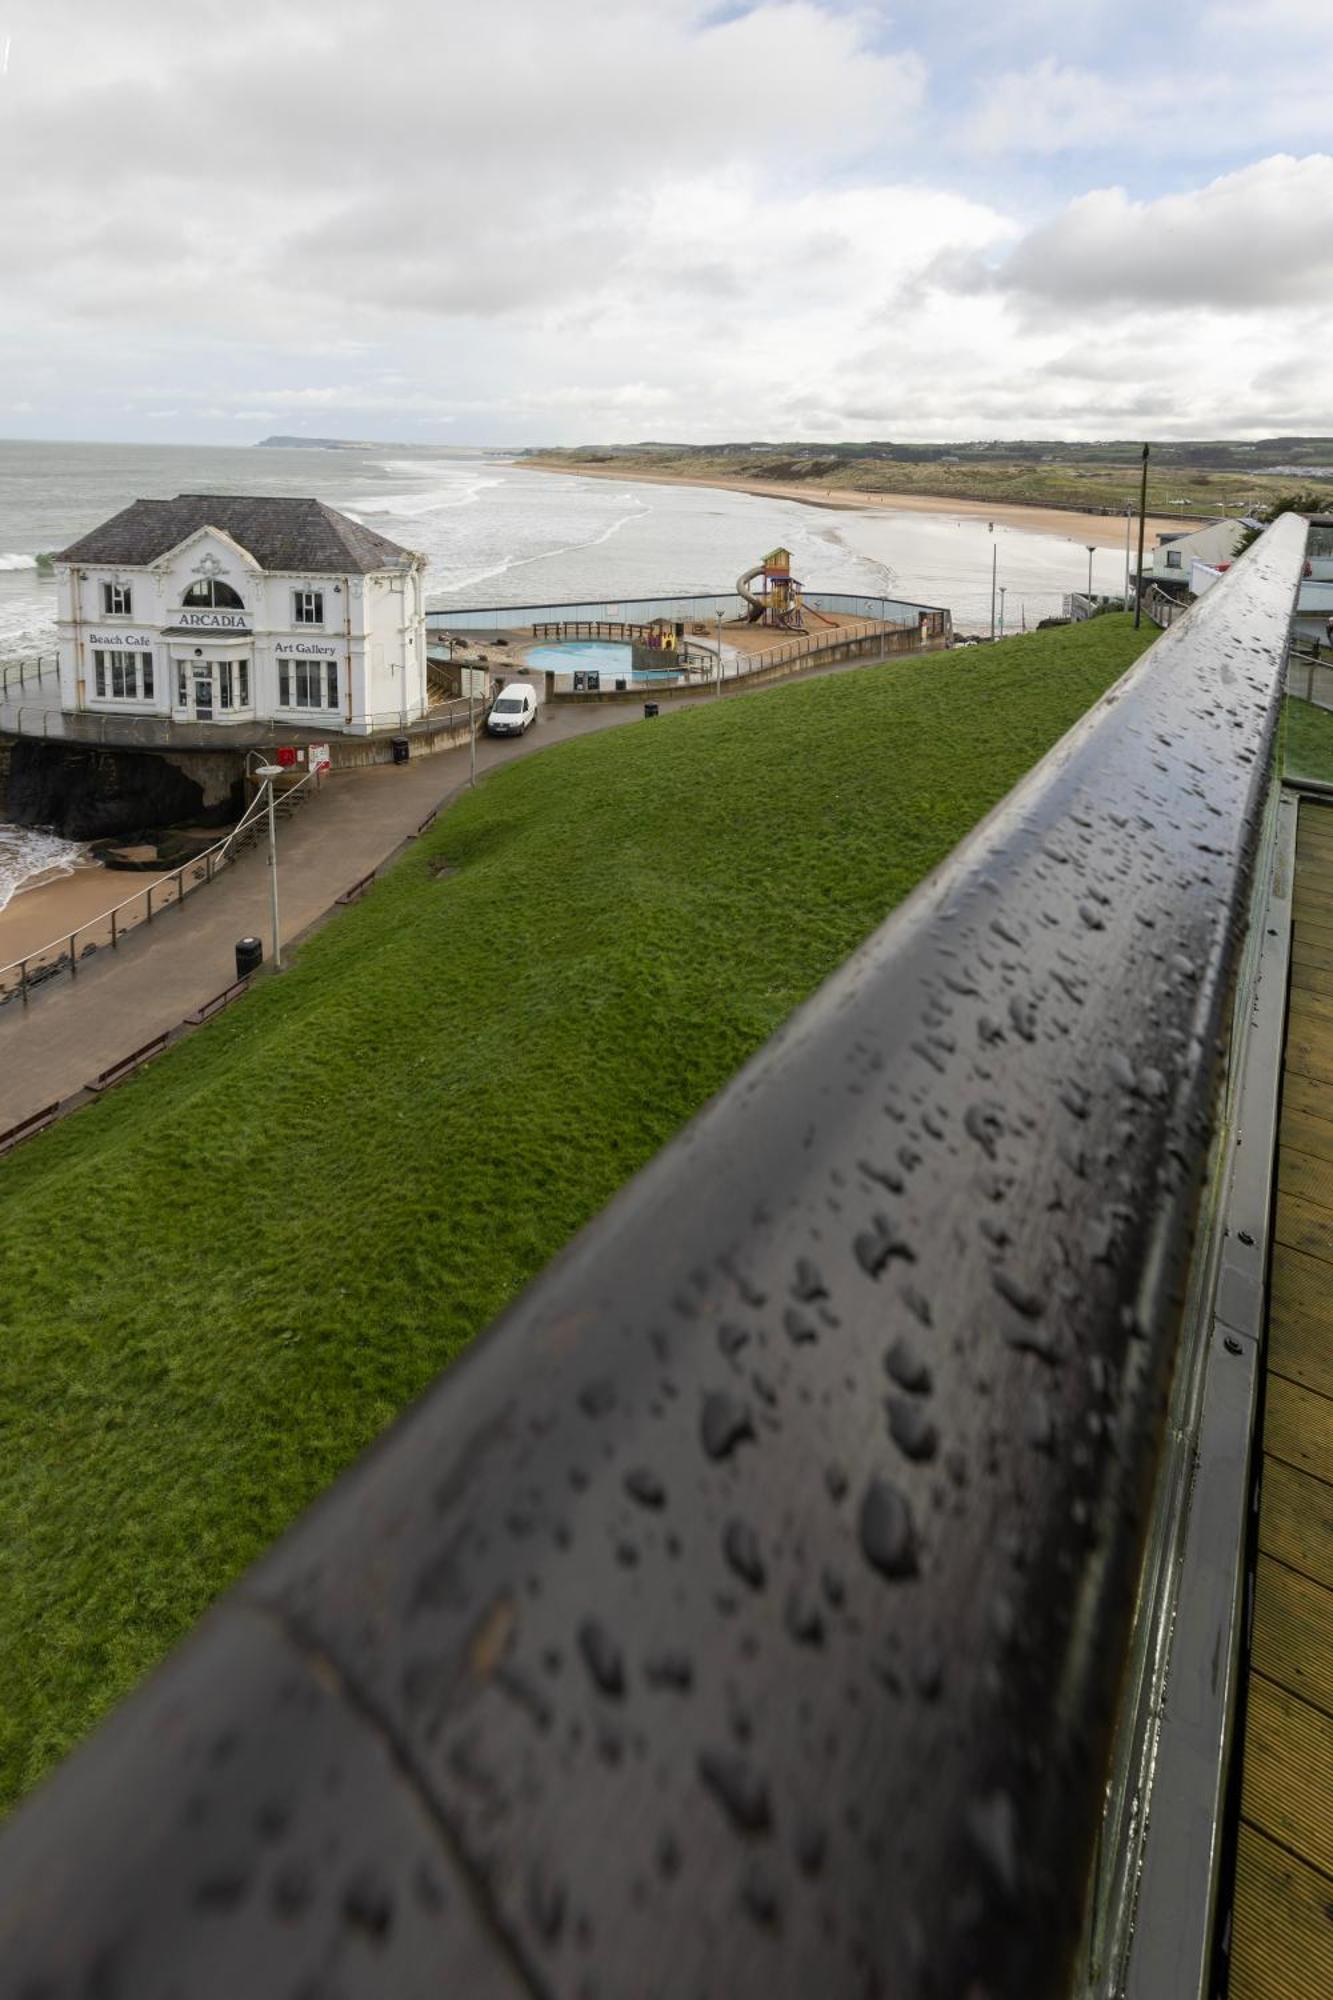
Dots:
{"x": 605, "y": 656}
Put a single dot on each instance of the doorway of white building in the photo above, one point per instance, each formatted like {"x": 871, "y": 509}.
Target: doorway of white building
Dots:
{"x": 212, "y": 690}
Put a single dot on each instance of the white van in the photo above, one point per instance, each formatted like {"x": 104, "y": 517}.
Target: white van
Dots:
{"x": 514, "y": 711}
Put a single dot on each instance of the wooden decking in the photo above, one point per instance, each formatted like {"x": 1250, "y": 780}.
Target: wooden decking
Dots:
{"x": 1282, "y": 1945}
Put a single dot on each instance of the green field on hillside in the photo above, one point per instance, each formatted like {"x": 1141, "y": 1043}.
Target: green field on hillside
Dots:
{"x": 1062, "y": 481}
{"x": 1309, "y": 741}
{"x": 221, "y": 1281}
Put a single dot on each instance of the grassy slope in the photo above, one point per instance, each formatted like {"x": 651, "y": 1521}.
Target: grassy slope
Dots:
{"x": 1309, "y": 740}
{"x": 220, "y": 1282}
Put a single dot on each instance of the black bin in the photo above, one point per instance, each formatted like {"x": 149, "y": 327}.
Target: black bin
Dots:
{"x": 649, "y": 709}
{"x": 249, "y": 956}
{"x": 401, "y": 747}
{"x": 621, "y": 685}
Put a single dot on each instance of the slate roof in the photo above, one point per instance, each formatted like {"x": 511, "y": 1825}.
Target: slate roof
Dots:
{"x": 280, "y": 533}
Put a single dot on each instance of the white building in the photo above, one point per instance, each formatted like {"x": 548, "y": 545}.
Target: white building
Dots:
{"x": 225, "y": 609}
{"x": 1169, "y": 562}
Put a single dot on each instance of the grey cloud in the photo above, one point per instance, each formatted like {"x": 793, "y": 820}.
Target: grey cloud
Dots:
{"x": 1247, "y": 242}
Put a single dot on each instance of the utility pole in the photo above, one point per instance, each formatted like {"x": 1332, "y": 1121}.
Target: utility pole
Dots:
{"x": 1143, "y": 512}
{"x": 994, "y": 558}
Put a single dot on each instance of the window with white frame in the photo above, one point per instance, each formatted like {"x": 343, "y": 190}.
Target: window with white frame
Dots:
{"x": 116, "y": 600}
{"x": 122, "y": 676}
{"x": 307, "y": 683}
{"x": 308, "y": 607}
{"x": 1174, "y": 559}
{"x": 212, "y": 594}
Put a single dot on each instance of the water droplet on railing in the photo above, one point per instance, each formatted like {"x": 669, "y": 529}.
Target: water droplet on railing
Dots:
{"x": 739, "y": 1789}
{"x": 645, "y": 1487}
{"x": 602, "y": 1657}
{"x": 886, "y": 1531}
{"x": 908, "y": 1368}
{"x": 740, "y": 1545}
{"x": 724, "y": 1423}
{"x": 911, "y": 1429}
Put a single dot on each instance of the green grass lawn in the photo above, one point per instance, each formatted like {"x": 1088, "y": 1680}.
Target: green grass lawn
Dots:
{"x": 217, "y": 1284}
{"x": 1309, "y": 740}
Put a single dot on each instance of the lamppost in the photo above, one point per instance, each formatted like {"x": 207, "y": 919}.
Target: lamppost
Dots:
{"x": 1003, "y": 588}
{"x": 1129, "y": 516}
{"x": 719, "y": 653}
{"x": 1091, "y": 549}
{"x": 268, "y": 772}
{"x": 1143, "y": 517}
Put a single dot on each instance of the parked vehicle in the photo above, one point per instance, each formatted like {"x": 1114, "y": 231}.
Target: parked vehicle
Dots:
{"x": 514, "y": 711}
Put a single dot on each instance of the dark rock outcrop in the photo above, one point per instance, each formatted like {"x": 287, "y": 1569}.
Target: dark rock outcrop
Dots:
{"x": 85, "y": 792}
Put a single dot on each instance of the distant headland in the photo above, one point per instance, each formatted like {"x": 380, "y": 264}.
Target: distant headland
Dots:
{"x": 323, "y": 444}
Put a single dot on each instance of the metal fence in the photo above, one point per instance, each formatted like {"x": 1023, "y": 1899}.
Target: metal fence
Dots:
{"x": 44, "y": 719}
{"x": 27, "y": 673}
{"x": 745, "y": 1613}
{"x": 700, "y": 607}
{"x": 1162, "y": 608}
{"x": 1310, "y": 677}
{"x": 62, "y": 956}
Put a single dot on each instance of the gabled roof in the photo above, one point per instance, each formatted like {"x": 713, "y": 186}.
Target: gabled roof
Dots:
{"x": 280, "y": 533}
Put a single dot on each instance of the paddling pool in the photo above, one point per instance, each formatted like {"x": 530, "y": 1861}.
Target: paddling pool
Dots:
{"x": 604, "y": 656}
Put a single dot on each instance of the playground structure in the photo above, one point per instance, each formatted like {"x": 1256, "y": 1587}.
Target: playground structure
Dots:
{"x": 780, "y": 603}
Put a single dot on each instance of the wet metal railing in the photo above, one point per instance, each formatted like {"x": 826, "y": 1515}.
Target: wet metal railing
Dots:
{"x": 745, "y": 1613}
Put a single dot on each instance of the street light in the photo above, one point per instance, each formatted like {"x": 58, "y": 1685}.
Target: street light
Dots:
{"x": 1091, "y": 549}
{"x": 268, "y": 772}
{"x": 1003, "y": 588}
{"x": 719, "y": 652}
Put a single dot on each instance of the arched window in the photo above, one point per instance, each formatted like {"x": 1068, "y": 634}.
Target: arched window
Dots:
{"x": 216, "y": 596}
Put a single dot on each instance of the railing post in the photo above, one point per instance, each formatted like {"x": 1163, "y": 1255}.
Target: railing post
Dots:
{"x": 73, "y": 956}
{"x": 149, "y": 893}
{"x": 114, "y": 939}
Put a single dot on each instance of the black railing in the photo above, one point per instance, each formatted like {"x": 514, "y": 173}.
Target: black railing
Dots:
{"x": 744, "y": 1614}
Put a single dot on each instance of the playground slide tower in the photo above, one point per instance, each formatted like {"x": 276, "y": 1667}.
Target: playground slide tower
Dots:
{"x": 779, "y": 603}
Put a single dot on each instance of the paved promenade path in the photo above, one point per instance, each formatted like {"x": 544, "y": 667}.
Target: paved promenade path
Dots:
{"x": 74, "y": 1029}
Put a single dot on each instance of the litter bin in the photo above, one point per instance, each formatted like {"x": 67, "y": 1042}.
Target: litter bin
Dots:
{"x": 649, "y": 709}
{"x": 621, "y": 685}
{"x": 249, "y": 956}
{"x": 401, "y": 747}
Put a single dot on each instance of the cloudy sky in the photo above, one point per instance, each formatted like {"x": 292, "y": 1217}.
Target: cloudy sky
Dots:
{"x": 520, "y": 221}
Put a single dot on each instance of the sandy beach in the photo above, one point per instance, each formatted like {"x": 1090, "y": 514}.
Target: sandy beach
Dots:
{"x": 50, "y": 910}
{"x": 1105, "y": 531}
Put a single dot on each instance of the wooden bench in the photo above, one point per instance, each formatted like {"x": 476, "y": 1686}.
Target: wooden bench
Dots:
{"x": 27, "y": 1127}
{"x": 218, "y": 1002}
{"x": 357, "y": 889}
{"x": 118, "y": 1071}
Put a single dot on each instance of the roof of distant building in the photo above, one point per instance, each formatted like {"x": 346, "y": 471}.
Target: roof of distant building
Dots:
{"x": 279, "y": 532}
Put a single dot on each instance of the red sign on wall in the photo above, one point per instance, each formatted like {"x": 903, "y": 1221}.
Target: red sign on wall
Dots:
{"x": 285, "y": 755}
